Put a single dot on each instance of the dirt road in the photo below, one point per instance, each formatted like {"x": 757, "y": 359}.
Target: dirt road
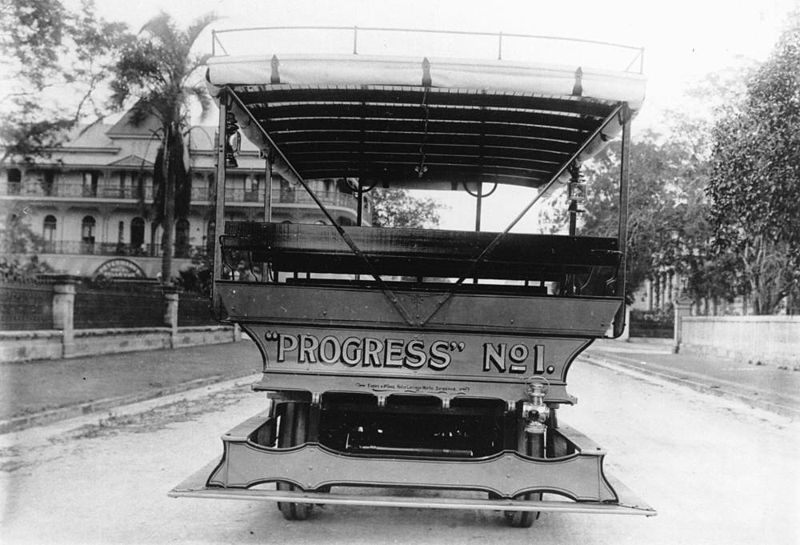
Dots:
{"x": 716, "y": 471}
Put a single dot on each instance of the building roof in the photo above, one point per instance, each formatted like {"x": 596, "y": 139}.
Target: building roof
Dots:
{"x": 129, "y": 127}
{"x": 126, "y": 145}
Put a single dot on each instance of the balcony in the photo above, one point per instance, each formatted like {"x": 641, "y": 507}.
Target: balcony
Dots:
{"x": 233, "y": 195}
{"x": 78, "y": 191}
{"x": 76, "y": 247}
{"x": 280, "y": 196}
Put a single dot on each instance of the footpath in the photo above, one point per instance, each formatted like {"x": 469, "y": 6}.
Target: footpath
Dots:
{"x": 770, "y": 387}
{"x": 39, "y": 392}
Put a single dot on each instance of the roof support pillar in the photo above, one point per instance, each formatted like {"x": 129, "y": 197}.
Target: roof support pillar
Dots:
{"x": 219, "y": 207}
{"x": 624, "y": 178}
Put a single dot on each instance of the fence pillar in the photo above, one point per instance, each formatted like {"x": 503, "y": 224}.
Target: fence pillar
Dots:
{"x": 64, "y": 312}
{"x": 171, "y": 314}
{"x": 626, "y": 333}
{"x": 683, "y": 308}
{"x": 237, "y": 333}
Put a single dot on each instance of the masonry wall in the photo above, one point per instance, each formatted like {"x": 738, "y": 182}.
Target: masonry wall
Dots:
{"x": 769, "y": 339}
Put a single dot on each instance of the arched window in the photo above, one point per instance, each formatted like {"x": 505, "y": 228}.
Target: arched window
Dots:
{"x": 137, "y": 233}
{"x": 251, "y": 185}
{"x": 182, "y": 238}
{"x": 49, "y": 232}
{"x": 87, "y": 229}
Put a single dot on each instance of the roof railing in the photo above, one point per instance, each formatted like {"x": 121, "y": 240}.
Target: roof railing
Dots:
{"x": 636, "y": 62}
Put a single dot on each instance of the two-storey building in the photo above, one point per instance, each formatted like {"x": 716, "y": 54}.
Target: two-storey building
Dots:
{"x": 91, "y": 198}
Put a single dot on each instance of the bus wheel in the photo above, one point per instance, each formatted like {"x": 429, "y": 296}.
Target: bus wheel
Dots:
{"x": 293, "y": 431}
{"x": 530, "y": 445}
{"x": 523, "y": 519}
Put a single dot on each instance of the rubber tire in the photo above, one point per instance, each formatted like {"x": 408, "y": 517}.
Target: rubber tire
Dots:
{"x": 293, "y": 431}
{"x": 524, "y": 519}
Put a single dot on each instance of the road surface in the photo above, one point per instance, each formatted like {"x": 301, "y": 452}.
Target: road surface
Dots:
{"x": 716, "y": 470}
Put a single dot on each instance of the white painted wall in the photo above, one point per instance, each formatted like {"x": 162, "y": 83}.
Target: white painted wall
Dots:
{"x": 770, "y": 339}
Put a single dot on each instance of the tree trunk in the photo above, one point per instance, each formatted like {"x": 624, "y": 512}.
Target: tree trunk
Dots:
{"x": 167, "y": 239}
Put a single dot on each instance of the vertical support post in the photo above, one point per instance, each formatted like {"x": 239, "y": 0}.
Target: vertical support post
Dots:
{"x": 360, "y": 204}
{"x": 268, "y": 191}
{"x": 573, "y": 217}
{"x": 265, "y": 273}
{"x": 500, "y": 46}
{"x": 64, "y": 312}
{"x": 171, "y": 314}
{"x": 478, "y": 207}
{"x": 355, "y": 40}
{"x": 576, "y": 194}
{"x": 219, "y": 215}
{"x": 624, "y": 176}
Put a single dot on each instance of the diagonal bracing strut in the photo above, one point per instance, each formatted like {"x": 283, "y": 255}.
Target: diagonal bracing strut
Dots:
{"x": 500, "y": 236}
{"x": 388, "y": 293}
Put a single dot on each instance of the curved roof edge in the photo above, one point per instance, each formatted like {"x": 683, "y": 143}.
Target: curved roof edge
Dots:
{"x": 480, "y": 75}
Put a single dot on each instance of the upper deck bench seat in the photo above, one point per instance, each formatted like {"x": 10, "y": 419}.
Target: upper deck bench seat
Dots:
{"x": 420, "y": 252}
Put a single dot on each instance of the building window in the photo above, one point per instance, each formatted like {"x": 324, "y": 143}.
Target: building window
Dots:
{"x": 14, "y": 181}
{"x": 182, "y": 238}
{"x": 122, "y": 183}
{"x": 49, "y": 233}
{"x": 251, "y": 184}
{"x": 87, "y": 233}
{"x": 48, "y": 181}
{"x": 287, "y": 192}
{"x": 138, "y": 182}
{"x": 90, "y": 184}
{"x": 121, "y": 238}
{"x": 137, "y": 234}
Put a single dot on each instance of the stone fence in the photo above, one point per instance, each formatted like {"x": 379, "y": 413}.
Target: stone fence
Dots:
{"x": 765, "y": 339}
{"x": 65, "y": 341}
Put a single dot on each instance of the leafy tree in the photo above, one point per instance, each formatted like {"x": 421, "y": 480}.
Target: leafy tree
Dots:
{"x": 53, "y": 62}
{"x": 158, "y": 69}
{"x": 667, "y": 227}
{"x": 17, "y": 242}
{"x": 755, "y": 178}
{"x": 397, "y": 208}
{"x": 16, "y": 235}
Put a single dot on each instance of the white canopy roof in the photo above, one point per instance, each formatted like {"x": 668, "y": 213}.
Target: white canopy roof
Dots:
{"x": 417, "y": 121}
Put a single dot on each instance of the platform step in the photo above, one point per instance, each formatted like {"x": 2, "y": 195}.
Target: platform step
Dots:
{"x": 195, "y": 487}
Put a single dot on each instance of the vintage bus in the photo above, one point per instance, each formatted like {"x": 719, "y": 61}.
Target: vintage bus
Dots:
{"x": 410, "y": 358}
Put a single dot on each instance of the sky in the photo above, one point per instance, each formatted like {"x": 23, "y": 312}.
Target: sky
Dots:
{"x": 683, "y": 39}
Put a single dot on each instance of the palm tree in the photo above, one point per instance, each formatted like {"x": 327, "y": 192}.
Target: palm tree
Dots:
{"x": 158, "y": 69}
